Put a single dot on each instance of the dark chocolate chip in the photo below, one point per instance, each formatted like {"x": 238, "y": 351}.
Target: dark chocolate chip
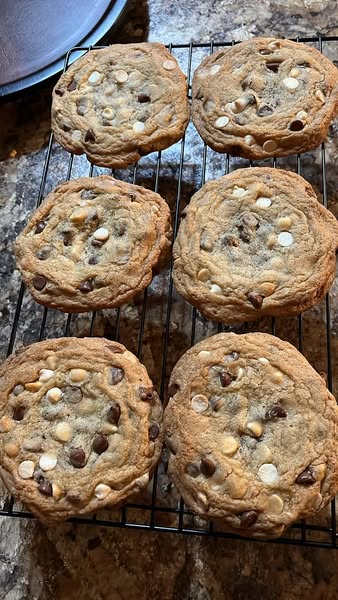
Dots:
{"x": 90, "y": 136}
{"x": 154, "y": 431}
{"x": 39, "y": 282}
{"x": 248, "y": 518}
{"x": 265, "y": 51}
{"x": 72, "y": 394}
{"x": 170, "y": 445}
{"x": 59, "y": 91}
{"x": 77, "y": 457}
{"x": 100, "y": 444}
{"x": 86, "y": 286}
{"x": 71, "y": 86}
{"x": 146, "y": 394}
{"x": 66, "y": 127}
{"x": 132, "y": 197}
{"x": 19, "y": 412}
{"x": 192, "y": 470}
{"x": 43, "y": 253}
{"x": 40, "y": 226}
{"x": 296, "y": 125}
{"x": 88, "y": 194}
{"x": 93, "y": 543}
{"x": 93, "y": 260}
{"x": 45, "y": 487}
{"x": 173, "y": 389}
{"x": 18, "y": 389}
{"x": 113, "y": 414}
{"x": 116, "y": 375}
{"x": 143, "y": 98}
{"x": 225, "y": 378}
{"x": 265, "y": 110}
{"x": 250, "y": 99}
{"x": 255, "y": 299}
{"x": 273, "y": 66}
{"x": 207, "y": 467}
{"x": 276, "y": 412}
{"x": 306, "y": 477}
{"x": 67, "y": 238}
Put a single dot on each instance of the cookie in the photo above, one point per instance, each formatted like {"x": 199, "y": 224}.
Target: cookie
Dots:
{"x": 264, "y": 97}
{"x": 93, "y": 243}
{"x": 120, "y": 103}
{"x": 255, "y": 242}
{"x": 80, "y": 426}
{"x": 252, "y": 433}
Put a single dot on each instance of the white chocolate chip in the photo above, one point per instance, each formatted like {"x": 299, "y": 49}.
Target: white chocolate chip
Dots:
{"x": 263, "y": 360}
{"x": 199, "y": 403}
{"x": 33, "y": 386}
{"x": 79, "y": 214}
{"x": 63, "y": 432}
{"x": 274, "y": 504}
{"x": 12, "y": 449}
{"x": 138, "y": 126}
{"x": 240, "y": 373}
{"x": 203, "y": 275}
{"x": 101, "y": 491}
{"x": 320, "y": 96}
{"x": 169, "y": 65}
{"x": 262, "y": 453}
{"x": 51, "y": 361}
{"x": 6, "y": 424}
{"x": 229, "y": 445}
{"x": 48, "y": 461}
{"x": 76, "y": 135}
{"x": 78, "y": 375}
{"x": 57, "y": 492}
{"x": 221, "y": 122}
{"x": 108, "y": 113}
{"x": 267, "y": 288}
{"x": 249, "y": 140}
{"x": 277, "y": 376}
{"x": 214, "y": 69}
{"x": 46, "y": 374}
{"x": 239, "y": 192}
{"x": 256, "y": 428}
{"x": 285, "y": 238}
{"x": 204, "y": 354}
{"x": 94, "y": 77}
{"x": 54, "y": 394}
{"x": 215, "y": 289}
{"x": 121, "y": 76}
{"x": 263, "y": 202}
{"x": 268, "y": 474}
{"x": 271, "y": 241}
{"x": 284, "y": 223}
{"x": 320, "y": 472}
{"x": 302, "y": 114}
{"x": 108, "y": 428}
{"x": 238, "y": 105}
{"x": 269, "y": 146}
{"x": 294, "y": 72}
{"x": 26, "y": 469}
{"x": 101, "y": 234}
{"x": 291, "y": 83}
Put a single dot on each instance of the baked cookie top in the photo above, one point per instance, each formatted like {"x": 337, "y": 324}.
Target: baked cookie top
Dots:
{"x": 255, "y": 242}
{"x": 79, "y": 426}
{"x": 252, "y": 433}
{"x": 119, "y": 103}
{"x": 93, "y": 243}
{"x": 264, "y": 97}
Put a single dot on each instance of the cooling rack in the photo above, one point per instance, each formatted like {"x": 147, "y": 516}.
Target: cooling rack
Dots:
{"x": 176, "y": 173}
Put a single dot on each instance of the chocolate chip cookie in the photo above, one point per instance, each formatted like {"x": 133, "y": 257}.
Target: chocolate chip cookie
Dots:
{"x": 80, "y": 426}
{"x": 252, "y": 433}
{"x": 265, "y": 97}
{"x": 93, "y": 243}
{"x": 255, "y": 242}
{"x": 119, "y": 103}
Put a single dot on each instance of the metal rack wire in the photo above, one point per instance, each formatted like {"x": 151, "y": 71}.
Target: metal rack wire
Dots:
{"x": 190, "y": 156}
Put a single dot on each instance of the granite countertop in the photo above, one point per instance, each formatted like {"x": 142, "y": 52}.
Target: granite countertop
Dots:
{"x": 72, "y": 561}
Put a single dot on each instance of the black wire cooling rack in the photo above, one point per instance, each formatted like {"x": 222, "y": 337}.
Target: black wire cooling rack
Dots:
{"x": 176, "y": 173}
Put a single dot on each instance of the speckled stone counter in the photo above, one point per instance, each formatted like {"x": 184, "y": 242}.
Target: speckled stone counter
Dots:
{"x": 72, "y": 561}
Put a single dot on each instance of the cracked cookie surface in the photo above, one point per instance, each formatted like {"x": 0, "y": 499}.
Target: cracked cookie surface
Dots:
{"x": 119, "y": 103}
{"x": 255, "y": 242}
{"x": 252, "y": 433}
{"x": 264, "y": 97}
{"x": 93, "y": 243}
{"x": 80, "y": 426}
